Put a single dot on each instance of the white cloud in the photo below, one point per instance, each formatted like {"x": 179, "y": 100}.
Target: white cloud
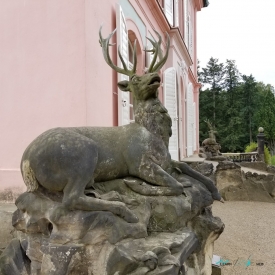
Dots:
{"x": 242, "y": 30}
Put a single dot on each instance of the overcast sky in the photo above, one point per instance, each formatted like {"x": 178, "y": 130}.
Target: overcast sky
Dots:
{"x": 242, "y": 30}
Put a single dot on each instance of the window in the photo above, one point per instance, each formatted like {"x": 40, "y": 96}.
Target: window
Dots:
{"x": 171, "y": 10}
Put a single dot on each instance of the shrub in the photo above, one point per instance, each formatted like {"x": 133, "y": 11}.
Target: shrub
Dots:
{"x": 273, "y": 160}
{"x": 267, "y": 156}
{"x": 253, "y": 147}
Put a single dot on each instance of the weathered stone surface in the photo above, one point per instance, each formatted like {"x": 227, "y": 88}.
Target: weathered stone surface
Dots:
{"x": 268, "y": 181}
{"x": 7, "y": 232}
{"x": 130, "y": 256}
{"x": 204, "y": 168}
{"x": 202, "y": 155}
{"x": 216, "y": 270}
{"x": 235, "y": 185}
{"x": 14, "y": 261}
{"x": 207, "y": 228}
{"x": 171, "y": 250}
{"x": 58, "y": 241}
{"x": 217, "y": 158}
{"x": 225, "y": 165}
{"x": 258, "y": 165}
{"x": 256, "y": 191}
{"x": 270, "y": 169}
{"x": 228, "y": 174}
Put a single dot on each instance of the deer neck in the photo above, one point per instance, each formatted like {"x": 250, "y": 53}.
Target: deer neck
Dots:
{"x": 152, "y": 115}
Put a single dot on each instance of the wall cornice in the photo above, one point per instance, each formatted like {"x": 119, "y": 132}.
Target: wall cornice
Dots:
{"x": 158, "y": 13}
{"x": 193, "y": 79}
{"x": 174, "y": 32}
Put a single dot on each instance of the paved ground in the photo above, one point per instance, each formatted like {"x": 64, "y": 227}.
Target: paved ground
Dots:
{"x": 8, "y": 207}
{"x": 248, "y": 238}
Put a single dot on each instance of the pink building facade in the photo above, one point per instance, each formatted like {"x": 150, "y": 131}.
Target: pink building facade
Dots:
{"x": 52, "y": 72}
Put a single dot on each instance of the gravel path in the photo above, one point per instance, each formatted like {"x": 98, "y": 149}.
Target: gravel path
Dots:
{"x": 247, "y": 244}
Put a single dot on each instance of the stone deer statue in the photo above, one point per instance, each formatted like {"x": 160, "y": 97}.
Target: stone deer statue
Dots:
{"x": 210, "y": 144}
{"x": 212, "y": 134}
{"x": 71, "y": 159}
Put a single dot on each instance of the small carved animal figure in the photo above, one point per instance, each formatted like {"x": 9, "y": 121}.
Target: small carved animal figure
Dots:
{"x": 212, "y": 135}
{"x": 210, "y": 144}
{"x": 74, "y": 159}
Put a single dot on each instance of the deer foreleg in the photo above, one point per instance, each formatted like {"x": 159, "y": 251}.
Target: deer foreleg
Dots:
{"x": 154, "y": 174}
{"x": 208, "y": 183}
{"x": 74, "y": 199}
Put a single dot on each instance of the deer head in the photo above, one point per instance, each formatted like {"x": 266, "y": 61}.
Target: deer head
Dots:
{"x": 145, "y": 86}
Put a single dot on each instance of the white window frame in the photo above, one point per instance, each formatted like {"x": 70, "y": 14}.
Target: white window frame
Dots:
{"x": 171, "y": 10}
{"x": 171, "y": 98}
{"x": 124, "y": 107}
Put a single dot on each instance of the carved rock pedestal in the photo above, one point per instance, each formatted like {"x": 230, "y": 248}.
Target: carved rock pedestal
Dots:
{"x": 236, "y": 185}
{"x": 174, "y": 235}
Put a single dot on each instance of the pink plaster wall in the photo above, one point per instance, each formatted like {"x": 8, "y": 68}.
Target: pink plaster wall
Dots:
{"x": 51, "y": 73}
{"x": 101, "y": 80}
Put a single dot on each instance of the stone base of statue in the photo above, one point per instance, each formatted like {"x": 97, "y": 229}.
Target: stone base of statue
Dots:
{"x": 174, "y": 235}
{"x": 211, "y": 152}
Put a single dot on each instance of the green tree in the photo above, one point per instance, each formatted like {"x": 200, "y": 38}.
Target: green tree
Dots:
{"x": 236, "y": 104}
{"x": 249, "y": 106}
{"x": 265, "y": 115}
{"x": 231, "y": 80}
{"x": 212, "y": 76}
{"x": 231, "y": 125}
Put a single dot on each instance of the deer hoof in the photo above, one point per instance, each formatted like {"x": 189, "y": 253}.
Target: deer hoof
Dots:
{"x": 216, "y": 196}
{"x": 179, "y": 190}
{"x": 130, "y": 217}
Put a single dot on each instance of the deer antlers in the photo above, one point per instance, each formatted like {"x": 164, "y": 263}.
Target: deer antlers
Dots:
{"x": 209, "y": 124}
{"x": 158, "y": 53}
{"x": 104, "y": 43}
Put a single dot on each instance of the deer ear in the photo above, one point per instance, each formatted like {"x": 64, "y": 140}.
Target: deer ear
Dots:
{"x": 123, "y": 86}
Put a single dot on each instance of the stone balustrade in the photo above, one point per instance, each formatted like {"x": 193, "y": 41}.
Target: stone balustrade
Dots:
{"x": 240, "y": 157}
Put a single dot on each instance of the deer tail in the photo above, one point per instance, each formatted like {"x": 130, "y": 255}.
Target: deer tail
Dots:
{"x": 29, "y": 176}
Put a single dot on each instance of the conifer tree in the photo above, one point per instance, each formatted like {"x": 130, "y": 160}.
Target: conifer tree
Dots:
{"x": 213, "y": 76}
{"x": 265, "y": 115}
{"x": 231, "y": 125}
{"x": 249, "y": 105}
